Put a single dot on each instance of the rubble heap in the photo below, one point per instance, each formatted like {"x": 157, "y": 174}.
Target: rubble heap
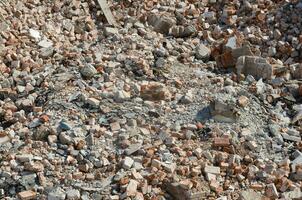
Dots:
{"x": 179, "y": 100}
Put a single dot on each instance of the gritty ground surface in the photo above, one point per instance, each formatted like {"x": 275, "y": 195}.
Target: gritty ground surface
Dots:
{"x": 181, "y": 100}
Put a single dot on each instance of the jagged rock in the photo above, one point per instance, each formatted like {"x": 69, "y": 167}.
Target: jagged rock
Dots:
{"x": 155, "y": 92}
{"x": 255, "y": 66}
{"x": 202, "y": 52}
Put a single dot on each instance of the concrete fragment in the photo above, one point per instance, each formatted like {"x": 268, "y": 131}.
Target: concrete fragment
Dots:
{"x": 24, "y": 157}
{"x": 73, "y": 194}
{"x": 255, "y": 66}
{"x": 132, "y": 188}
{"x": 202, "y": 52}
{"x": 161, "y": 24}
{"x": 34, "y": 34}
{"x": 94, "y": 103}
{"x": 271, "y": 191}
{"x": 108, "y": 31}
{"x": 212, "y": 170}
{"x": 107, "y": 12}
{"x": 155, "y": 92}
{"x": 88, "y": 71}
{"x": 56, "y": 194}
{"x": 127, "y": 163}
{"x": 27, "y": 195}
{"x": 250, "y": 195}
{"x": 178, "y": 192}
{"x": 294, "y": 195}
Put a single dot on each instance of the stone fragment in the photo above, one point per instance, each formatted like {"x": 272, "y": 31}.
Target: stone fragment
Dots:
{"x": 161, "y": 24}
{"x": 221, "y": 142}
{"x": 243, "y": 101}
{"x": 56, "y": 194}
{"x": 133, "y": 148}
{"x": 250, "y": 195}
{"x": 271, "y": 191}
{"x": 202, "y": 52}
{"x": 294, "y": 195}
{"x": 296, "y": 71}
{"x": 73, "y": 194}
{"x": 127, "y": 163}
{"x": 45, "y": 43}
{"x": 155, "y": 92}
{"x": 4, "y": 139}
{"x": 132, "y": 188}
{"x": 24, "y": 157}
{"x": 88, "y": 71}
{"x": 34, "y": 34}
{"x": 115, "y": 126}
{"x": 109, "y": 31}
{"x": 212, "y": 170}
{"x": 222, "y": 111}
{"x": 290, "y": 137}
{"x": 229, "y": 57}
{"x": 107, "y": 12}
{"x": 255, "y": 66}
{"x": 121, "y": 96}
{"x": 170, "y": 168}
{"x": 27, "y": 195}
{"x": 178, "y": 192}
{"x": 214, "y": 185}
{"x": 65, "y": 139}
{"x": 210, "y": 177}
{"x": 252, "y": 145}
{"x": 94, "y": 103}
{"x": 46, "y": 53}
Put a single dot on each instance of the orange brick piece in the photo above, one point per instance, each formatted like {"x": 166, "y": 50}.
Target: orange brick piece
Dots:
{"x": 27, "y": 195}
{"x": 221, "y": 142}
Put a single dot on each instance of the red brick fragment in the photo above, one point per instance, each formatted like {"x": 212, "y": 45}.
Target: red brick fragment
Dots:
{"x": 221, "y": 142}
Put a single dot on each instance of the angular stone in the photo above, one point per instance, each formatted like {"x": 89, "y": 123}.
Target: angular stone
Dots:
{"x": 56, "y": 194}
{"x": 170, "y": 168}
{"x": 229, "y": 57}
{"x": 132, "y": 188}
{"x": 34, "y": 34}
{"x": 256, "y": 66}
{"x": 221, "y": 142}
{"x": 65, "y": 139}
{"x": 73, "y": 194}
{"x": 115, "y": 126}
{"x": 290, "y": 137}
{"x": 271, "y": 191}
{"x": 45, "y": 43}
{"x": 250, "y": 195}
{"x": 202, "y": 52}
{"x": 243, "y": 101}
{"x": 161, "y": 24}
{"x": 155, "y": 92}
{"x": 24, "y": 157}
{"x": 127, "y": 163}
{"x": 109, "y": 31}
{"x": 295, "y": 194}
{"x": 93, "y": 102}
{"x": 296, "y": 70}
{"x": 121, "y": 96}
{"x": 4, "y": 140}
{"x": 212, "y": 170}
{"x": 27, "y": 195}
{"x": 88, "y": 71}
{"x": 133, "y": 148}
{"x": 178, "y": 192}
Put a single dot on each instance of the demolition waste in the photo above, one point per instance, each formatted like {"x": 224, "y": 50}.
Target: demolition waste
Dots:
{"x": 160, "y": 100}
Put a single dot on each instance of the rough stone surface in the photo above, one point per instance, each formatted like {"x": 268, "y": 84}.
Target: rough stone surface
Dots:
{"x": 160, "y": 100}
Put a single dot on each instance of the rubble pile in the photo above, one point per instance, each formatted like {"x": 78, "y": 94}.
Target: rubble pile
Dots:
{"x": 174, "y": 100}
